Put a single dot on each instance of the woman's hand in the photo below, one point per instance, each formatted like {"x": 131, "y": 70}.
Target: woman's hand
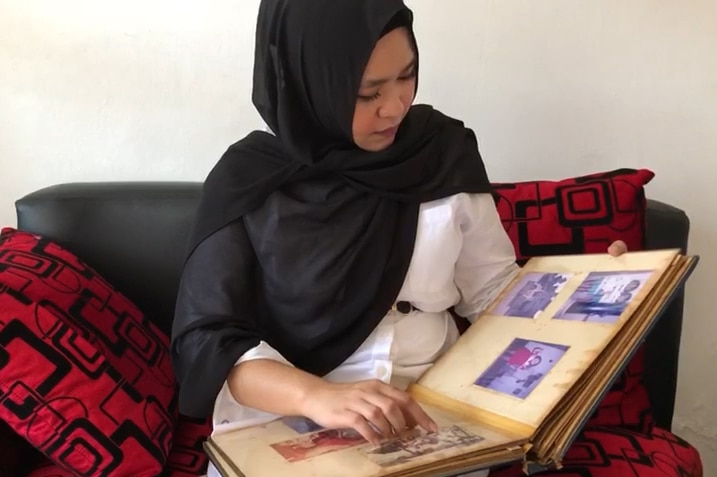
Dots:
{"x": 617, "y": 248}
{"x": 373, "y": 408}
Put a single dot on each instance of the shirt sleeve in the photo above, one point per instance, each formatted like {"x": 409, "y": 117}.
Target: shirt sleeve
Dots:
{"x": 214, "y": 324}
{"x": 486, "y": 262}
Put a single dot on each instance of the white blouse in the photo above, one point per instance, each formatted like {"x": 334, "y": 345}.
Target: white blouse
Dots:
{"x": 462, "y": 258}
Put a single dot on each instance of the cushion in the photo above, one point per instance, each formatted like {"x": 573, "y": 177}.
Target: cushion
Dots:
{"x": 84, "y": 376}
{"x": 616, "y": 452}
{"x": 585, "y": 215}
{"x": 187, "y": 457}
{"x": 576, "y": 215}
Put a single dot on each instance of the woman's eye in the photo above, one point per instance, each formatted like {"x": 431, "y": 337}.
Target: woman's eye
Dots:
{"x": 409, "y": 76}
{"x": 370, "y": 98}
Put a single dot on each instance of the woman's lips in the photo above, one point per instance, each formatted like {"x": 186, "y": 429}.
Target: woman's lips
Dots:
{"x": 390, "y": 132}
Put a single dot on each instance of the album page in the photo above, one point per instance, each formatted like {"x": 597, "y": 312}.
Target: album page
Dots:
{"x": 543, "y": 332}
{"x": 296, "y": 446}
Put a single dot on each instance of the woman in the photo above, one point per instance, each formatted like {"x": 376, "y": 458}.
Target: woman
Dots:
{"x": 327, "y": 253}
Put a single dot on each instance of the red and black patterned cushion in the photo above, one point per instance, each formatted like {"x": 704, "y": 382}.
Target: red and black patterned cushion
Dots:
{"x": 576, "y": 215}
{"x": 617, "y": 452}
{"x": 187, "y": 458}
{"x": 585, "y": 215}
{"x": 84, "y": 376}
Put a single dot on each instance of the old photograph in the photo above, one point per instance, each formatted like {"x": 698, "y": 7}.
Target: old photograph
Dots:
{"x": 603, "y": 296}
{"x": 531, "y": 295}
{"x": 302, "y": 425}
{"x": 417, "y": 443}
{"x": 318, "y": 443}
{"x": 521, "y": 367}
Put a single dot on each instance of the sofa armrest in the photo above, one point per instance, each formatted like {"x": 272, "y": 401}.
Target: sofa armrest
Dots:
{"x": 667, "y": 227}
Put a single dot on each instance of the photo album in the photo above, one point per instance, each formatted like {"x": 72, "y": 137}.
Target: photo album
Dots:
{"x": 518, "y": 385}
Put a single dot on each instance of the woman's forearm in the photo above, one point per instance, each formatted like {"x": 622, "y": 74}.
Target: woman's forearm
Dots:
{"x": 373, "y": 408}
{"x": 272, "y": 386}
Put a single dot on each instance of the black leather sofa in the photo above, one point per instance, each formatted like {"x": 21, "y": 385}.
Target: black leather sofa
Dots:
{"x": 134, "y": 234}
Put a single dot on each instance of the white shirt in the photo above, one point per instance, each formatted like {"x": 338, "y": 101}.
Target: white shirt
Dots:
{"x": 462, "y": 257}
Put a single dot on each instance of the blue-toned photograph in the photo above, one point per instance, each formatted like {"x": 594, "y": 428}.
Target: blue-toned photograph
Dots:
{"x": 531, "y": 295}
{"x": 521, "y": 367}
{"x": 302, "y": 425}
{"x": 603, "y": 296}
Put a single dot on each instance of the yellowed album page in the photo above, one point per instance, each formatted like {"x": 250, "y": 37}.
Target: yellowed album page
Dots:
{"x": 292, "y": 447}
{"x": 541, "y": 334}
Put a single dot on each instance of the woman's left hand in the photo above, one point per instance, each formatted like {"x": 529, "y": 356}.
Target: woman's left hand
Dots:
{"x": 617, "y": 248}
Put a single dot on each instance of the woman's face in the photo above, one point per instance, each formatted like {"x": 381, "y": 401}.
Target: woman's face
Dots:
{"x": 386, "y": 93}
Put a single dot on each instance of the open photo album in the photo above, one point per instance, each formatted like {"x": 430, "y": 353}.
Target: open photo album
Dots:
{"x": 518, "y": 385}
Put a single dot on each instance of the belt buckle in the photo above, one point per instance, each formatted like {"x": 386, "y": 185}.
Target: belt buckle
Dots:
{"x": 402, "y": 307}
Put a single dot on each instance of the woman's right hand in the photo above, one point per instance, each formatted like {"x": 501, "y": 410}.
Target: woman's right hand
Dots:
{"x": 374, "y": 409}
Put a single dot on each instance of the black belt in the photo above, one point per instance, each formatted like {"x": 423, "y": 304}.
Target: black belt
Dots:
{"x": 404, "y": 307}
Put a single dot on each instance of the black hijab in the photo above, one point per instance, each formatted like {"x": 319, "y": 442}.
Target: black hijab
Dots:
{"x": 332, "y": 226}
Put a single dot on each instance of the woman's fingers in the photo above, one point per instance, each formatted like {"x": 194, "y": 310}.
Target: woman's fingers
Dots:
{"x": 412, "y": 412}
{"x": 372, "y": 414}
{"x": 357, "y": 422}
{"x": 617, "y": 248}
{"x": 390, "y": 410}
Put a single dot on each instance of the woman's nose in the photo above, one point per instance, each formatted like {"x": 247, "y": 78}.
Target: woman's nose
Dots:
{"x": 391, "y": 108}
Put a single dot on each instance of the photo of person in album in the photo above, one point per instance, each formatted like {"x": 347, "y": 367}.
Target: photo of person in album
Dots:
{"x": 417, "y": 444}
{"x": 318, "y": 443}
{"x": 521, "y": 367}
{"x": 602, "y": 297}
{"x": 531, "y": 295}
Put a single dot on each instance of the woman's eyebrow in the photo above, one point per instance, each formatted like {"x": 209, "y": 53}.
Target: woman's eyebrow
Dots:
{"x": 372, "y": 83}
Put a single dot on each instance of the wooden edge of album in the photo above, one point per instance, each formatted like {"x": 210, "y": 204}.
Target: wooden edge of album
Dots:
{"x": 220, "y": 459}
{"x": 616, "y": 356}
{"x": 564, "y": 423}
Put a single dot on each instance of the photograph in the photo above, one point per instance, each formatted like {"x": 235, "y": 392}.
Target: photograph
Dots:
{"x": 319, "y": 443}
{"x": 531, "y": 295}
{"x": 417, "y": 443}
{"x": 302, "y": 425}
{"x": 603, "y": 296}
{"x": 521, "y": 367}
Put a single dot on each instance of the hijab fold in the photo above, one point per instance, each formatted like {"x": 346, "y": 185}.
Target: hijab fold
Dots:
{"x": 332, "y": 226}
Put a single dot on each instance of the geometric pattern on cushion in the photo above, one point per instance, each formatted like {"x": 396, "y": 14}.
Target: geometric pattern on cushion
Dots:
{"x": 84, "y": 376}
{"x": 585, "y": 215}
{"x": 574, "y": 215}
{"x": 187, "y": 457}
{"x": 616, "y": 452}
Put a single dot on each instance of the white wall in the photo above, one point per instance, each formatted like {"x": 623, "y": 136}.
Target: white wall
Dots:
{"x": 156, "y": 90}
